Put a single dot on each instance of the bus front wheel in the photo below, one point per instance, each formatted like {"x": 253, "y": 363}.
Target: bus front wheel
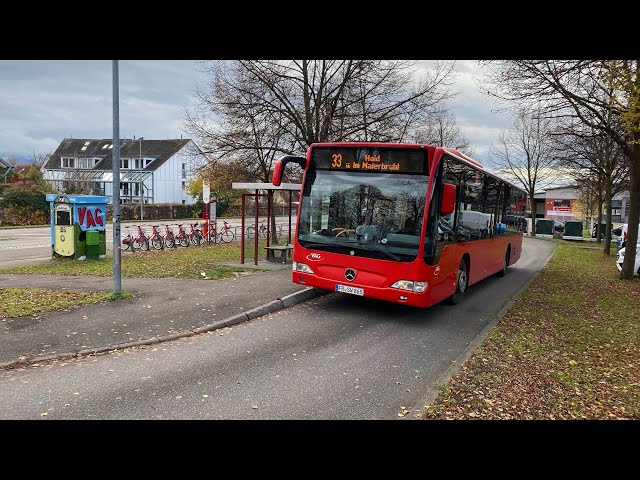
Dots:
{"x": 462, "y": 280}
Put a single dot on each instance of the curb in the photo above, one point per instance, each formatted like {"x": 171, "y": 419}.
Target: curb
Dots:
{"x": 273, "y": 306}
{"x": 434, "y": 390}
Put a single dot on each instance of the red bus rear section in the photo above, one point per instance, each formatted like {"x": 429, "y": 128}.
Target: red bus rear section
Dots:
{"x": 371, "y": 222}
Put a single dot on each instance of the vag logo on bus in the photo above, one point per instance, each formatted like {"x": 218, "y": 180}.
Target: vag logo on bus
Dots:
{"x": 315, "y": 257}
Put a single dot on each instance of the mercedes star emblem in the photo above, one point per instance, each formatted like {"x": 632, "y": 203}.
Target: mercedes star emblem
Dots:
{"x": 350, "y": 274}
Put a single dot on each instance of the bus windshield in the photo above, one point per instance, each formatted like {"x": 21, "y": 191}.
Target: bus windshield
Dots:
{"x": 373, "y": 215}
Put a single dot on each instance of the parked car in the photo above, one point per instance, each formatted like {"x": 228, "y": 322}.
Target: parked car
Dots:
{"x": 617, "y": 231}
{"x": 622, "y": 238}
{"x": 558, "y": 226}
{"x": 620, "y": 259}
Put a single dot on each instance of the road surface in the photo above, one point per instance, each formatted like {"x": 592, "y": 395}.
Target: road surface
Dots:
{"x": 335, "y": 357}
{"x": 21, "y": 246}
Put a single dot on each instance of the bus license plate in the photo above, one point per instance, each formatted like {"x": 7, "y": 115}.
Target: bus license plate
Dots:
{"x": 348, "y": 289}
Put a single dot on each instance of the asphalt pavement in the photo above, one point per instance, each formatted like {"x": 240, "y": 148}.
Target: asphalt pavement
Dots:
{"x": 160, "y": 307}
{"x": 332, "y": 357}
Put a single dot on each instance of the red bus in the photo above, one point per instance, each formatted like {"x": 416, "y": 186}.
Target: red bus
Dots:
{"x": 407, "y": 223}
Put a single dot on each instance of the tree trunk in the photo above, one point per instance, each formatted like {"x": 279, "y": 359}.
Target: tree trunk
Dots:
{"x": 599, "y": 225}
{"x": 532, "y": 207}
{"x": 634, "y": 212}
{"x": 607, "y": 233}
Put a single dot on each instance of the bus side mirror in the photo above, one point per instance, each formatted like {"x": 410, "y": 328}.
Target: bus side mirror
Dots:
{"x": 448, "y": 203}
{"x": 278, "y": 169}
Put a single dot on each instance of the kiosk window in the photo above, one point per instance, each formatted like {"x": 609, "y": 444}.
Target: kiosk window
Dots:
{"x": 63, "y": 217}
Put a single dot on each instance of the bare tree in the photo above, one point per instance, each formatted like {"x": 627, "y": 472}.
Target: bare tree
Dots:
{"x": 587, "y": 201}
{"x": 311, "y": 101}
{"x": 595, "y": 159}
{"x": 253, "y": 111}
{"x": 602, "y": 94}
{"x": 38, "y": 159}
{"x": 526, "y": 153}
{"x": 442, "y": 129}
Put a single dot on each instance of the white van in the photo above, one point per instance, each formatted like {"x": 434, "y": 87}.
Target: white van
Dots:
{"x": 622, "y": 239}
{"x": 620, "y": 259}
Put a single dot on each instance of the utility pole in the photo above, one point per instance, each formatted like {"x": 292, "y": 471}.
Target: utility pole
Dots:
{"x": 141, "y": 182}
{"x": 117, "y": 285}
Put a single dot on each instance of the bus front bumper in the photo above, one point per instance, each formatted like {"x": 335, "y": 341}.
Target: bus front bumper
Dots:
{"x": 388, "y": 294}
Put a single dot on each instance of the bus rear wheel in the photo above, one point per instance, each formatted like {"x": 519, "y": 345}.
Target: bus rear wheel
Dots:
{"x": 462, "y": 281}
{"x": 505, "y": 263}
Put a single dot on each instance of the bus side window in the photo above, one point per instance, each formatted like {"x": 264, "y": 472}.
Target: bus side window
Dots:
{"x": 442, "y": 228}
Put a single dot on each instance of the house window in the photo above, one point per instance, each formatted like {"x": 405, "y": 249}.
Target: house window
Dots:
{"x": 110, "y": 146}
{"x": 124, "y": 163}
{"x": 184, "y": 186}
{"x": 184, "y": 170}
{"x": 87, "y": 163}
{"x": 84, "y": 147}
{"x": 68, "y": 162}
{"x": 147, "y": 161}
{"x": 184, "y": 202}
{"x": 124, "y": 189}
{"x": 105, "y": 146}
{"x": 136, "y": 163}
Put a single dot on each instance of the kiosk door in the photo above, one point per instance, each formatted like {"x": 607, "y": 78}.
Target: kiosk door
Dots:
{"x": 63, "y": 230}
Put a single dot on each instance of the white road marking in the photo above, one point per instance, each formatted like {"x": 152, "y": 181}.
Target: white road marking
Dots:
{"x": 22, "y": 247}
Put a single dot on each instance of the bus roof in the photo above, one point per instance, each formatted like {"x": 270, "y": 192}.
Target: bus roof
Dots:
{"x": 477, "y": 165}
{"x": 450, "y": 151}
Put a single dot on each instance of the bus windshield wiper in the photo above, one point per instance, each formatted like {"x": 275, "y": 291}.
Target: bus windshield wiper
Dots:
{"x": 375, "y": 247}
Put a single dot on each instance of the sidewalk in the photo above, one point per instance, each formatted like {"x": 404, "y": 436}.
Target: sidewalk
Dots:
{"x": 160, "y": 307}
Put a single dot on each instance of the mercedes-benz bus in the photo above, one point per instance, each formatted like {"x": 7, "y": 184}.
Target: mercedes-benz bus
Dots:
{"x": 407, "y": 223}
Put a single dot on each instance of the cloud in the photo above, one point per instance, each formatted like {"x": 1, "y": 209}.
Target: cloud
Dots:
{"x": 45, "y": 101}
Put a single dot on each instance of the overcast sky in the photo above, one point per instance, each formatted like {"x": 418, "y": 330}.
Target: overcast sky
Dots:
{"x": 42, "y": 102}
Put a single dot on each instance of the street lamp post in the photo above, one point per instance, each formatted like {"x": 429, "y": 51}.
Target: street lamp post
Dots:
{"x": 117, "y": 284}
{"x": 141, "y": 183}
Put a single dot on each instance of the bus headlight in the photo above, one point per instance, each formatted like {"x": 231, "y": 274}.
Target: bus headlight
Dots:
{"x": 302, "y": 267}
{"x": 410, "y": 285}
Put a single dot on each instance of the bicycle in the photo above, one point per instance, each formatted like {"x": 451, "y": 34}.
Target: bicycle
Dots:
{"x": 182, "y": 238}
{"x": 262, "y": 230}
{"x": 156, "y": 239}
{"x": 127, "y": 240}
{"x": 226, "y": 234}
{"x": 168, "y": 238}
{"x": 195, "y": 235}
{"x": 139, "y": 240}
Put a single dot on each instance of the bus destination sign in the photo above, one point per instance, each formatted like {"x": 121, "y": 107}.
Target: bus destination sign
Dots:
{"x": 367, "y": 159}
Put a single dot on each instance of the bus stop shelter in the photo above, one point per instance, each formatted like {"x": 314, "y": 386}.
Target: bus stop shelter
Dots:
{"x": 269, "y": 189}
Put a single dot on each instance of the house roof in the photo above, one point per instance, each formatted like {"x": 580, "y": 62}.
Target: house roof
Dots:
{"x": 4, "y": 163}
{"x": 161, "y": 150}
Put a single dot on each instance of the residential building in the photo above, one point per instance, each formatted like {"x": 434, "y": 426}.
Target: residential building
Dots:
{"x": 156, "y": 171}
